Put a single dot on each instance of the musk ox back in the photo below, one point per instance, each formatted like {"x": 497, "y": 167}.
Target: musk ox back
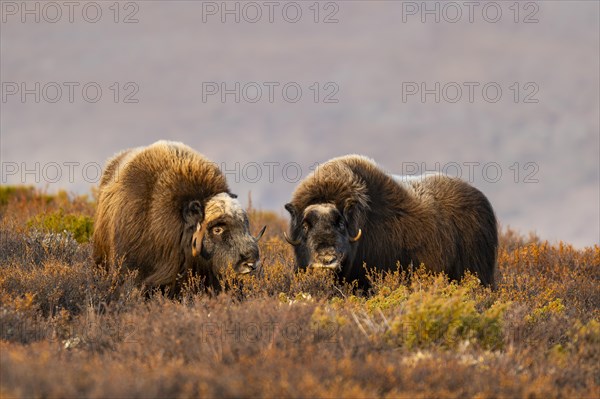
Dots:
{"x": 349, "y": 212}
{"x": 165, "y": 210}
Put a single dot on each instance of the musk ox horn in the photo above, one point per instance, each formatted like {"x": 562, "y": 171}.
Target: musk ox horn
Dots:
{"x": 197, "y": 239}
{"x": 290, "y": 241}
{"x": 357, "y": 237}
{"x": 258, "y": 237}
{"x": 194, "y": 250}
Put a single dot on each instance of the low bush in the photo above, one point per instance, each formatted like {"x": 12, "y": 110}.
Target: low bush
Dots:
{"x": 69, "y": 328}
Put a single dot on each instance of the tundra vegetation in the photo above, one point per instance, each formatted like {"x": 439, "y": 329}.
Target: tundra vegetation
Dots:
{"x": 69, "y": 328}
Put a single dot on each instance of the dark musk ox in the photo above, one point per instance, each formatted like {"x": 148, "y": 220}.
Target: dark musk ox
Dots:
{"x": 349, "y": 212}
{"x": 165, "y": 210}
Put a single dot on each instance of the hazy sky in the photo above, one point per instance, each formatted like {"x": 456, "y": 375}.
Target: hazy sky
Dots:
{"x": 506, "y": 96}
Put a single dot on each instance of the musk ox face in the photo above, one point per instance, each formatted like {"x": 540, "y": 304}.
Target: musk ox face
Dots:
{"x": 222, "y": 237}
{"x": 324, "y": 237}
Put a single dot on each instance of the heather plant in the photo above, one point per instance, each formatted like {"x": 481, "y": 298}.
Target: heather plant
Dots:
{"x": 79, "y": 227}
{"x": 8, "y": 193}
{"x": 69, "y": 328}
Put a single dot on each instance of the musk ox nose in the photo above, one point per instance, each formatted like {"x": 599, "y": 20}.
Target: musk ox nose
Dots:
{"x": 249, "y": 262}
{"x": 248, "y": 265}
{"x": 327, "y": 258}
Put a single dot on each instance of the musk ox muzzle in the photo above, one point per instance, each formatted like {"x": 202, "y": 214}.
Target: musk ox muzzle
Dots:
{"x": 328, "y": 259}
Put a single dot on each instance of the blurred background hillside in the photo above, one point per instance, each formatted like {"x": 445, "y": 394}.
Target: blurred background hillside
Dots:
{"x": 542, "y": 134}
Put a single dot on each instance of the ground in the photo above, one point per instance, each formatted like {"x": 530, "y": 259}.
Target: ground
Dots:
{"x": 70, "y": 329}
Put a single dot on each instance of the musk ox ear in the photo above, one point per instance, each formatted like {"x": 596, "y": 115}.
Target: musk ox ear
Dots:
{"x": 193, "y": 213}
{"x": 291, "y": 209}
{"x": 350, "y": 216}
{"x": 349, "y": 211}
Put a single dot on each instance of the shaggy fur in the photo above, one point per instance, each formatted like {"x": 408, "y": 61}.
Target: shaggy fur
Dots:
{"x": 141, "y": 216}
{"x": 440, "y": 221}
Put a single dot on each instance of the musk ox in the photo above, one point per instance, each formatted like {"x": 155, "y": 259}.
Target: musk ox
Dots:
{"x": 165, "y": 210}
{"x": 349, "y": 212}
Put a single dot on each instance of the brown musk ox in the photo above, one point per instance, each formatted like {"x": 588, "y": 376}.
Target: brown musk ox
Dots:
{"x": 350, "y": 212}
{"x": 165, "y": 210}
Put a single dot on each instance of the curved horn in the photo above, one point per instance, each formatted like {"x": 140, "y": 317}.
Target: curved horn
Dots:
{"x": 357, "y": 237}
{"x": 197, "y": 239}
{"x": 194, "y": 250}
{"x": 289, "y": 240}
{"x": 261, "y": 233}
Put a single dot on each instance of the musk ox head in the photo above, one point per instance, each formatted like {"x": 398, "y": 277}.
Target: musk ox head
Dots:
{"x": 324, "y": 236}
{"x": 222, "y": 235}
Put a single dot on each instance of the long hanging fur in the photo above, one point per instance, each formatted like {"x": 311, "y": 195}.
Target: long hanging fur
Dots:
{"x": 442, "y": 222}
{"x": 142, "y": 195}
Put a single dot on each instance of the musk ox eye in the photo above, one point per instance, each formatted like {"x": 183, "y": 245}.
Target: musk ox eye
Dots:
{"x": 341, "y": 225}
{"x": 217, "y": 230}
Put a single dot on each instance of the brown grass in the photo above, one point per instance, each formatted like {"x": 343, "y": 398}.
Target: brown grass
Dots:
{"x": 68, "y": 329}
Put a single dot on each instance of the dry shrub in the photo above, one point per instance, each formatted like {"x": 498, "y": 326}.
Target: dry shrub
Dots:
{"x": 78, "y": 227}
{"x": 71, "y": 329}
{"x": 56, "y": 285}
{"x": 510, "y": 239}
